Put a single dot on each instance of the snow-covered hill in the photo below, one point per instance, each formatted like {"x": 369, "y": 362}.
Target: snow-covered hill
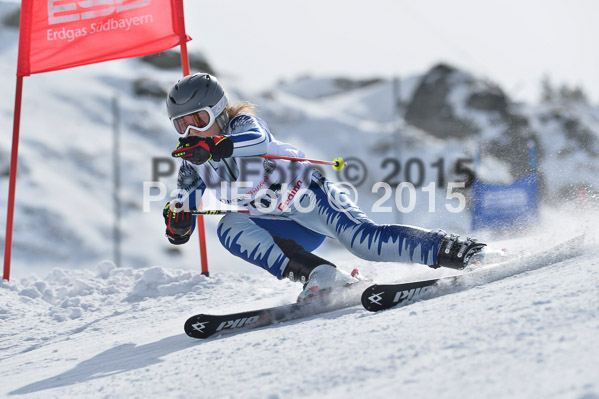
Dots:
{"x": 64, "y": 193}
{"x": 74, "y": 324}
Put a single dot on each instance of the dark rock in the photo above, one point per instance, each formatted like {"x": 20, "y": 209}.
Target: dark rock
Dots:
{"x": 444, "y": 88}
{"x": 346, "y": 84}
{"x": 13, "y": 19}
{"x": 491, "y": 100}
{"x": 430, "y": 109}
{"x": 150, "y": 88}
{"x": 171, "y": 59}
{"x": 512, "y": 145}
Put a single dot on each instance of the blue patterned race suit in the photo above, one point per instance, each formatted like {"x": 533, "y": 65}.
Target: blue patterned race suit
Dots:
{"x": 311, "y": 209}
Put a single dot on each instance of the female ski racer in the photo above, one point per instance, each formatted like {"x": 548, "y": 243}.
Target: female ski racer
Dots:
{"x": 292, "y": 207}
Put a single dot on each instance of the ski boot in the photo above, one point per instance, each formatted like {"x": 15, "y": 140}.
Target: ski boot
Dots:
{"x": 319, "y": 276}
{"x": 324, "y": 280}
{"x": 455, "y": 253}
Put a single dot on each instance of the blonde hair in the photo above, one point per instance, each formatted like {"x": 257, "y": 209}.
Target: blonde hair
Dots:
{"x": 243, "y": 107}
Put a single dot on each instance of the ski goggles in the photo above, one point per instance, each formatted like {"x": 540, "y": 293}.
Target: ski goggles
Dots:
{"x": 200, "y": 120}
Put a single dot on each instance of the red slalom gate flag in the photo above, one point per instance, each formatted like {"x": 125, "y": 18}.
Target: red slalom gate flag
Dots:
{"x": 60, "y": 34}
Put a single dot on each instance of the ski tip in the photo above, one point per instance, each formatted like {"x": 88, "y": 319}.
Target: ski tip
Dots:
{"x": 371, "y": 299}
{"x": 196, "y": 327}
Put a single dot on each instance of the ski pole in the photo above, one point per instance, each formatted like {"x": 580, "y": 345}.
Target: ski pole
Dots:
{"x": 217, "y": 211}
{"x": 337, "y": 163}
{"x": 209, "y": 212}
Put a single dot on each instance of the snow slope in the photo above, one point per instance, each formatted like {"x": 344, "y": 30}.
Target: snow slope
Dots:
{"x": 117, "y": 332}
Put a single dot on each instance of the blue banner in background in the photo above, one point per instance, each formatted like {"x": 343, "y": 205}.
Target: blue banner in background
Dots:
{"x": 502, "y": 206}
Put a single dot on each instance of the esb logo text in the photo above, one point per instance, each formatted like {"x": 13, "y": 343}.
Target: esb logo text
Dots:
{"x": 88, "y": 9}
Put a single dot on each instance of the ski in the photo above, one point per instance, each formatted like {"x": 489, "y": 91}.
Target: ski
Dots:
{"x": 384, "y": 296}
{"x": 207, "y": 325}
{"x": 377, "y": 297}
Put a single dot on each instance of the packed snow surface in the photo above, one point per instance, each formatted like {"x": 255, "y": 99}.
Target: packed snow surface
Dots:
{"x": 118, "y": 332}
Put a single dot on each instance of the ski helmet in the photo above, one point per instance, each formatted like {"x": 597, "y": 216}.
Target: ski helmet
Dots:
{"x": 199, "y": 94}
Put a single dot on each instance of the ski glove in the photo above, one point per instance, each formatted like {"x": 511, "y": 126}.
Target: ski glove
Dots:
{"x": 178, "y": 223}
{"x": 198, "y": 150}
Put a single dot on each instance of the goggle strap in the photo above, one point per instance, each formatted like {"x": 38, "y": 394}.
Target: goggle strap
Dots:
{"x": 220, "y": 105}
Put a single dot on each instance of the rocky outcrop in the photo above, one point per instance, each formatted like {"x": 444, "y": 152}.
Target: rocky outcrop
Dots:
{"x": 439, "y": 103}
{"x": 171, "y": 59}
{"x": 450, "y": 103}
